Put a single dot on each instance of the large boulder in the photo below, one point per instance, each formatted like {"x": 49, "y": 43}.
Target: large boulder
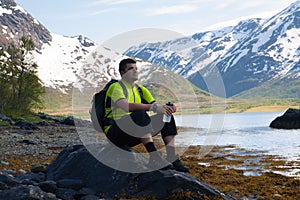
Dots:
{"x": 76, "y": 168}
{"x": 289, "y": 120}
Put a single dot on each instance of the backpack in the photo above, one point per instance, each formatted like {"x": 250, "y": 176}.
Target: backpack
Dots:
{"x": 97, "y": 112}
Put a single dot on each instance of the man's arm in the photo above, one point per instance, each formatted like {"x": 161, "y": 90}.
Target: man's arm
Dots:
{"x": 129, "y": 107}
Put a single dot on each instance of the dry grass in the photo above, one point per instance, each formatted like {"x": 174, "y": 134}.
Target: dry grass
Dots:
{"x": 270, "y": 108}
{"x": 222, "y": 173}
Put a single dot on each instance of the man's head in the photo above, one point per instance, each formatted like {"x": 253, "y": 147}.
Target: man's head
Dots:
{"x": 128, "y": 69}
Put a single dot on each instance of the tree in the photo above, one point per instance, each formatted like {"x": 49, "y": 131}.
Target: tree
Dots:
{"x": 4, "y": 81}
{"x": 19, "y": 81}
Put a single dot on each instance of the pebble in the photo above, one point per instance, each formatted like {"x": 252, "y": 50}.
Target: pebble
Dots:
{"x": 36, "y": 168}
{"x": 4, "y": 163}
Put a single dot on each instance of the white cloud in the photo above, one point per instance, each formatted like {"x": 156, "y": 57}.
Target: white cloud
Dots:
{"x": 224, "y": 4}
{"x": 99, "y": 12}
{"x": 233, "y": 22}
{"x": 113, "y": 2}
{"x": 177, "y": 9}
{"x": 251, "y": 4}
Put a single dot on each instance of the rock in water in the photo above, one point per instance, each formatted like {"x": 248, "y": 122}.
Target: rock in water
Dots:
{"x": 289, "y": 120}
{"x": 77, "y": 163}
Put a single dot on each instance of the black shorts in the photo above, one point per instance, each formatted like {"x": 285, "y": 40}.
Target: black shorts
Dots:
{"x": 129, "y": 130}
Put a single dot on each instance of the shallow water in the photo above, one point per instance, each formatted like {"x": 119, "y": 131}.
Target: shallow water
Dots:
{"x": 249, "y": 131}
{"x": 245, "y": 130}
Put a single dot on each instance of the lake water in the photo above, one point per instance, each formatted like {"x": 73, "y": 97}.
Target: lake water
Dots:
{"x": 245, "y": 130}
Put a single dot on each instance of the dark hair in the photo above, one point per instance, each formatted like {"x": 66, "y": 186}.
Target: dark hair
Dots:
{"x": 123, "y": 63}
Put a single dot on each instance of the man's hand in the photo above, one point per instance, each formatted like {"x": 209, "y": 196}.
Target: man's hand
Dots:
{"x": 164, "y": 109}
{"x": 174, "y": 108}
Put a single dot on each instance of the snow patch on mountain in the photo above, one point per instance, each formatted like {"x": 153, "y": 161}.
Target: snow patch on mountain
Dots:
{"x": 4, "y": 10}
{"x": 60, "y": 60}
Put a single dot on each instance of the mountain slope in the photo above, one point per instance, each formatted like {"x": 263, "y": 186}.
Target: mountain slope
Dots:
{"x": 284, "y": 88}
{"x": 246, "y": 55}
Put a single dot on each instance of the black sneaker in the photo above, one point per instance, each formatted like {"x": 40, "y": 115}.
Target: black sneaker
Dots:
{"x": 178, "y": 166}
{"x": 157, "y": 162}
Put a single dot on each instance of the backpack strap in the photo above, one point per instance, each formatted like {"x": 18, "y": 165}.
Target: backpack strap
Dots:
{"x": 112, "y": 107}
{"x": 140, "y": 90}
{"x": 124, "y": 88}
{"x": 141, "y": 94}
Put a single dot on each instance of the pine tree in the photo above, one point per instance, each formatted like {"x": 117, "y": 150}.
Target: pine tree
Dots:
{"x": 23, "y": 88}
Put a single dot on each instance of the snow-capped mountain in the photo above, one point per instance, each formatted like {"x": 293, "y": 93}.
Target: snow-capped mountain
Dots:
{"x": 246, "y": 55}
{"x": 59, "y": 57}
{"x": 270, "y": 52}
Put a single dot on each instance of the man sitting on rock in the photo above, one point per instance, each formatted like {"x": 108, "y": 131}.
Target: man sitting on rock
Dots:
{"x": 130, "y": 124}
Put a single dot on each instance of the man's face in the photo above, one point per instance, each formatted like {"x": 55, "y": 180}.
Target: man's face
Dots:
{"x": 130, "y": 73}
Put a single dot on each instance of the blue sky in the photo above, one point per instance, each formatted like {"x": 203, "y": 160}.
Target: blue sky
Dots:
{"x": 101, "y": 20}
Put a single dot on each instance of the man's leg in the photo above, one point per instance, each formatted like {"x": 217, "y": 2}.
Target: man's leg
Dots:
{"x": 136, "y": 129}
{"x": 168, "y": 134}
{"x": 169, "y": 142}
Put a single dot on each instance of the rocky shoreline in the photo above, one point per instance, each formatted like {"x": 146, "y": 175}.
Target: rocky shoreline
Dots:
{"x": 30, "y": 150}
{"x": 46, "y": 140}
